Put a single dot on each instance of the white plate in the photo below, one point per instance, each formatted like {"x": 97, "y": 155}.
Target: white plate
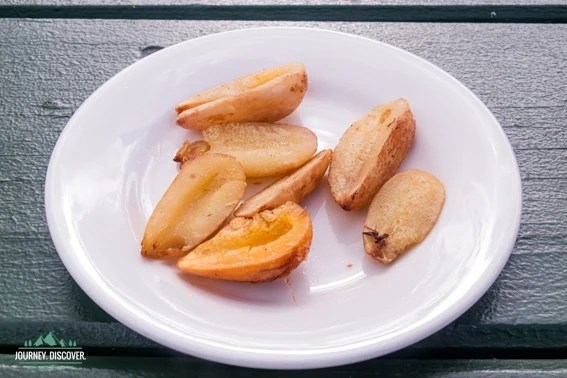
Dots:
{"x": 113, "y": 162}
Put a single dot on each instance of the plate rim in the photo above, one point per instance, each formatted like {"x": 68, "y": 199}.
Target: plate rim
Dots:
{"x": 257, "y": 359}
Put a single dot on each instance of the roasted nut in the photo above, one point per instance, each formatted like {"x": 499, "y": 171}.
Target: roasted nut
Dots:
{"x": 264, "y": 149}
{"x": 265, "y": 96}
{"x": 201, "y": 196}
{"x": 293, "y": 187}
{"x": 189, "y": 151}
{"x": 402, "y": 213}
{"x": 370, "y": 152}
{"x": 263, "y": 248}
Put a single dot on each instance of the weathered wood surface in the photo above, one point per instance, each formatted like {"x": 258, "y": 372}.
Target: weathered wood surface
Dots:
{"x": 123, "y": 367}
{"x": 283, "y": 2}
{"x": 524, "y": 11}
{"x": 48, "y": 67}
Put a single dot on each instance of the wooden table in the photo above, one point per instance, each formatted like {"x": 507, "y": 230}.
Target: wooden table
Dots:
{"x": 512, "y": 54}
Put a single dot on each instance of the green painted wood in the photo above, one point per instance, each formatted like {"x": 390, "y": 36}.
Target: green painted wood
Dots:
{"x": 395, "y": 368}
{"x": 547, "y": 13}
{"x": 48, "y": 67}
{"x": 282, "y": 2}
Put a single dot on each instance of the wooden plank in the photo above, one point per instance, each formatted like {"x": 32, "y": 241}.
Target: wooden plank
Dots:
{"x": 48, "y": 67}
{"x": 281, "y": 2}
{"x": 526, "y": 13}
{"x": 395, "y": 368}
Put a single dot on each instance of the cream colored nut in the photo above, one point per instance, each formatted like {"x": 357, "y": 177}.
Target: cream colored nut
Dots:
{"x": 201, "y": 196}
{"x": 402, "y": 213}
{"x": 264, "y": 149}
{"x": 293, "y": 187}
{"x": 265, "y": 96}
{"x": 370, "y": 152}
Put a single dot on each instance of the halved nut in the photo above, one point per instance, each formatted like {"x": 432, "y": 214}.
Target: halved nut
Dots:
{"x": 293, "y": 187}
{"x": 264, "y": 149}
{"x": 202, "y": 195}
{"x": 190, "y": 150}
{"x": 265, "y": 96}
{"x": 402, "y": 213}
{"x": 263, "y": 248}
{"x": 370, "y": 152}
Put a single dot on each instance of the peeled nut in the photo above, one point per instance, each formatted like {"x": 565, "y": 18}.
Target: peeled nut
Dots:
{"x": 202, "y": 195}
{"x": 293, "y": 187}
{"x": 264, "y": 149}
{"x": 263, "y": 248}
{"x": 264, "y": 96}
{"x": 401, "y": 215}
{"x": 370, "y": 152}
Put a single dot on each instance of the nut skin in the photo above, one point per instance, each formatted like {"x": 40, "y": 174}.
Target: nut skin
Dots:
{"x": 293, "y": 187}
{"x": 370, "y": 152}
{"x": 182, "y": 218}
{"x": 263, "y": 248}
{"x": 402, "y": 214}
{"x": 264, "y": 149}
{"x": 190, "y": 151}
{"x": 264, "y": 96}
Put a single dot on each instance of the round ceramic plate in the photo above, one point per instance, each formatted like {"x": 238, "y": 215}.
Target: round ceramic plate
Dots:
{"x": 113, "y": 162}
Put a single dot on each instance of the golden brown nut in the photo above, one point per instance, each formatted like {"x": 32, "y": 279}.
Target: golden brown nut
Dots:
{"x": 264, "y": 96}
{"x": 190, "y": 150}
{"x": 402, "y": 213}
{"x": 201, "y": 196}
{"x": 370, "y": 152}
{"x": 264, "y": 149}
{"x": 293, "y": 187}
{"x": 263, "y": 248}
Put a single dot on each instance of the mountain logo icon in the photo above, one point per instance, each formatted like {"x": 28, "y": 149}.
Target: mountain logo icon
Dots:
{"x": 50, "y": 340}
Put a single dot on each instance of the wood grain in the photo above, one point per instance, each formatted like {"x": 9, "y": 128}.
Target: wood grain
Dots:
{"x": 282, "y": 2}
{"x": 394, "y": 368}
{"x": 48, "y": 67}
{"x": 400, "y": 11}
